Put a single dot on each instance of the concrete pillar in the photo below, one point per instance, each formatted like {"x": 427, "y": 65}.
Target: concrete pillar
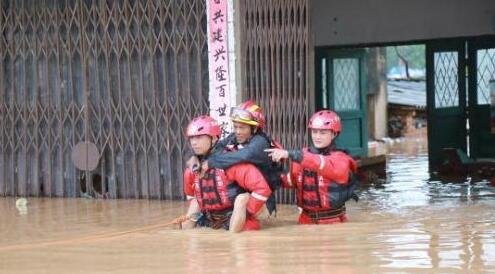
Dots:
{"x": 377, "y": 93}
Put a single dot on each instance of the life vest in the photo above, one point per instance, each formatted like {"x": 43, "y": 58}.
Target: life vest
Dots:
{"x": 215, "y": 192}
{"x": 315, "y": 193}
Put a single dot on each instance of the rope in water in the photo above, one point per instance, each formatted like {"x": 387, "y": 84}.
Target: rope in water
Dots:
{"x": 98, "y": 237}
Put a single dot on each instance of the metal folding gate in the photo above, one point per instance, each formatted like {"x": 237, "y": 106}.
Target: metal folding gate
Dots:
{"x": 275, "y": 65}
{"x": 125, "y": 75}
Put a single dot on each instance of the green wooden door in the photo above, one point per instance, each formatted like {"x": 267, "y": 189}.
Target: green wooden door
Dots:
{"x": 481, "y": 81}
{"x": 341, "y": 87}
{"x": 446, "y": 98}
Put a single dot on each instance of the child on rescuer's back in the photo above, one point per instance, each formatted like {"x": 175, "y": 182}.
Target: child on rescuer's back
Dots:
{"x": 322, "y": 176}
{"x": 230, "y": 198}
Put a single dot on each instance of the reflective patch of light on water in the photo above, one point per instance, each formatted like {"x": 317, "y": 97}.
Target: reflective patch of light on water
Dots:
{"x": 409, "y": 184}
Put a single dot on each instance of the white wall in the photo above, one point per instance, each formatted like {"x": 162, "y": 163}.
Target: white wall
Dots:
{"x": 351, "y": 22}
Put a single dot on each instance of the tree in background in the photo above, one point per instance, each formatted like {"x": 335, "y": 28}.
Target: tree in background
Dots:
{"x": 410, "y": 57}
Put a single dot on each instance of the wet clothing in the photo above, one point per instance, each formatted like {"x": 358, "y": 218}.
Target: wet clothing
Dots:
{"x": 229, "y": 152}
{"x": 222, "y": 220}
{"x": 324, "y": 180}
{"x": 217, "y": 190}
{"x": 251, "y": 151}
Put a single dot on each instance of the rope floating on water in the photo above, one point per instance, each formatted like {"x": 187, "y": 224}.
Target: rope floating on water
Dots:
{"x": 97, "y": 237}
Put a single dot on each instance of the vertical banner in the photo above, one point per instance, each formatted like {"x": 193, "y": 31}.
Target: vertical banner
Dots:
{"x": 218, "y": 63}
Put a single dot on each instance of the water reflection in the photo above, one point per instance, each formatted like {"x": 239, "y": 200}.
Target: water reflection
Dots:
{"x": 409, "y": 223}
{"x": 409, "y": 182}
{"x": 441, "y": 223}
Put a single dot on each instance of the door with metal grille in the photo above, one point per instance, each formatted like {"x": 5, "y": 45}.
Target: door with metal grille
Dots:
{"x": 481, "y": 56}
{"x": 341, "y": 86}
{"x": 446, "y": 98}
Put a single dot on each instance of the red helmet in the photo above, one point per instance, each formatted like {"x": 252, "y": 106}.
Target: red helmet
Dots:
{"x": 325, "y": 119}
{"x": 203, "y": 125}
{"x": 248, "y": 113}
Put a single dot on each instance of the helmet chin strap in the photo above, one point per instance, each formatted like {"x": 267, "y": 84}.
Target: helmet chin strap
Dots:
{"x": 254, "y": 130}
{"x": 212, "y": 145}
{"x": 325, "y": 150}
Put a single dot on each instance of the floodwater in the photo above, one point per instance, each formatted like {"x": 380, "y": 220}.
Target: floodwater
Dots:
{"x": 409, "y": 223}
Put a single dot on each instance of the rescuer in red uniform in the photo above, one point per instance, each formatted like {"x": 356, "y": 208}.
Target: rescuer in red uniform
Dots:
{"x": 230, "y": 198}
{"x": 322, "y": 175}
{"x": 246, "y": 144}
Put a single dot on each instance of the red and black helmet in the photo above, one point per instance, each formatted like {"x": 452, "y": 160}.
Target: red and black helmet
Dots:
{"x": 248, "y": 113}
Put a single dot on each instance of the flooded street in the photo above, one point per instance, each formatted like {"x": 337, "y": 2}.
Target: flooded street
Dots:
{"x": 409, "y": 223}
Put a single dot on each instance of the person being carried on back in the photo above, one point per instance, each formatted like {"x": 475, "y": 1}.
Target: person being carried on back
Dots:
{"x": 230, "y": 198}
{"x": 246, "y": 145}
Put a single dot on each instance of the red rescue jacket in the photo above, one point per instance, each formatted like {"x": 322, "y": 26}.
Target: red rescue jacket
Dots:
{"x": 218, "y": 189}
{"x": 321, "y": 182}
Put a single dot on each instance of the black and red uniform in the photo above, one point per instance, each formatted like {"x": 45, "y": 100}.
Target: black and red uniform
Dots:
{"x": 324, "y": 181}
{"x": 217, "y": 190}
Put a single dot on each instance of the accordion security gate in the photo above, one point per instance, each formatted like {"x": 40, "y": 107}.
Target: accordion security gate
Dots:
{"x": 125, "y": 75}
{"x": 275, "y": 67}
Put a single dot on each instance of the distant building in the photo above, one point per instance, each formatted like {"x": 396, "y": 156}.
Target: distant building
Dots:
{"x": 406, "y": 108}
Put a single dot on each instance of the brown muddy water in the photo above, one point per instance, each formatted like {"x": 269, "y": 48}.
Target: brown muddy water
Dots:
{"x": 408, "y": 224}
